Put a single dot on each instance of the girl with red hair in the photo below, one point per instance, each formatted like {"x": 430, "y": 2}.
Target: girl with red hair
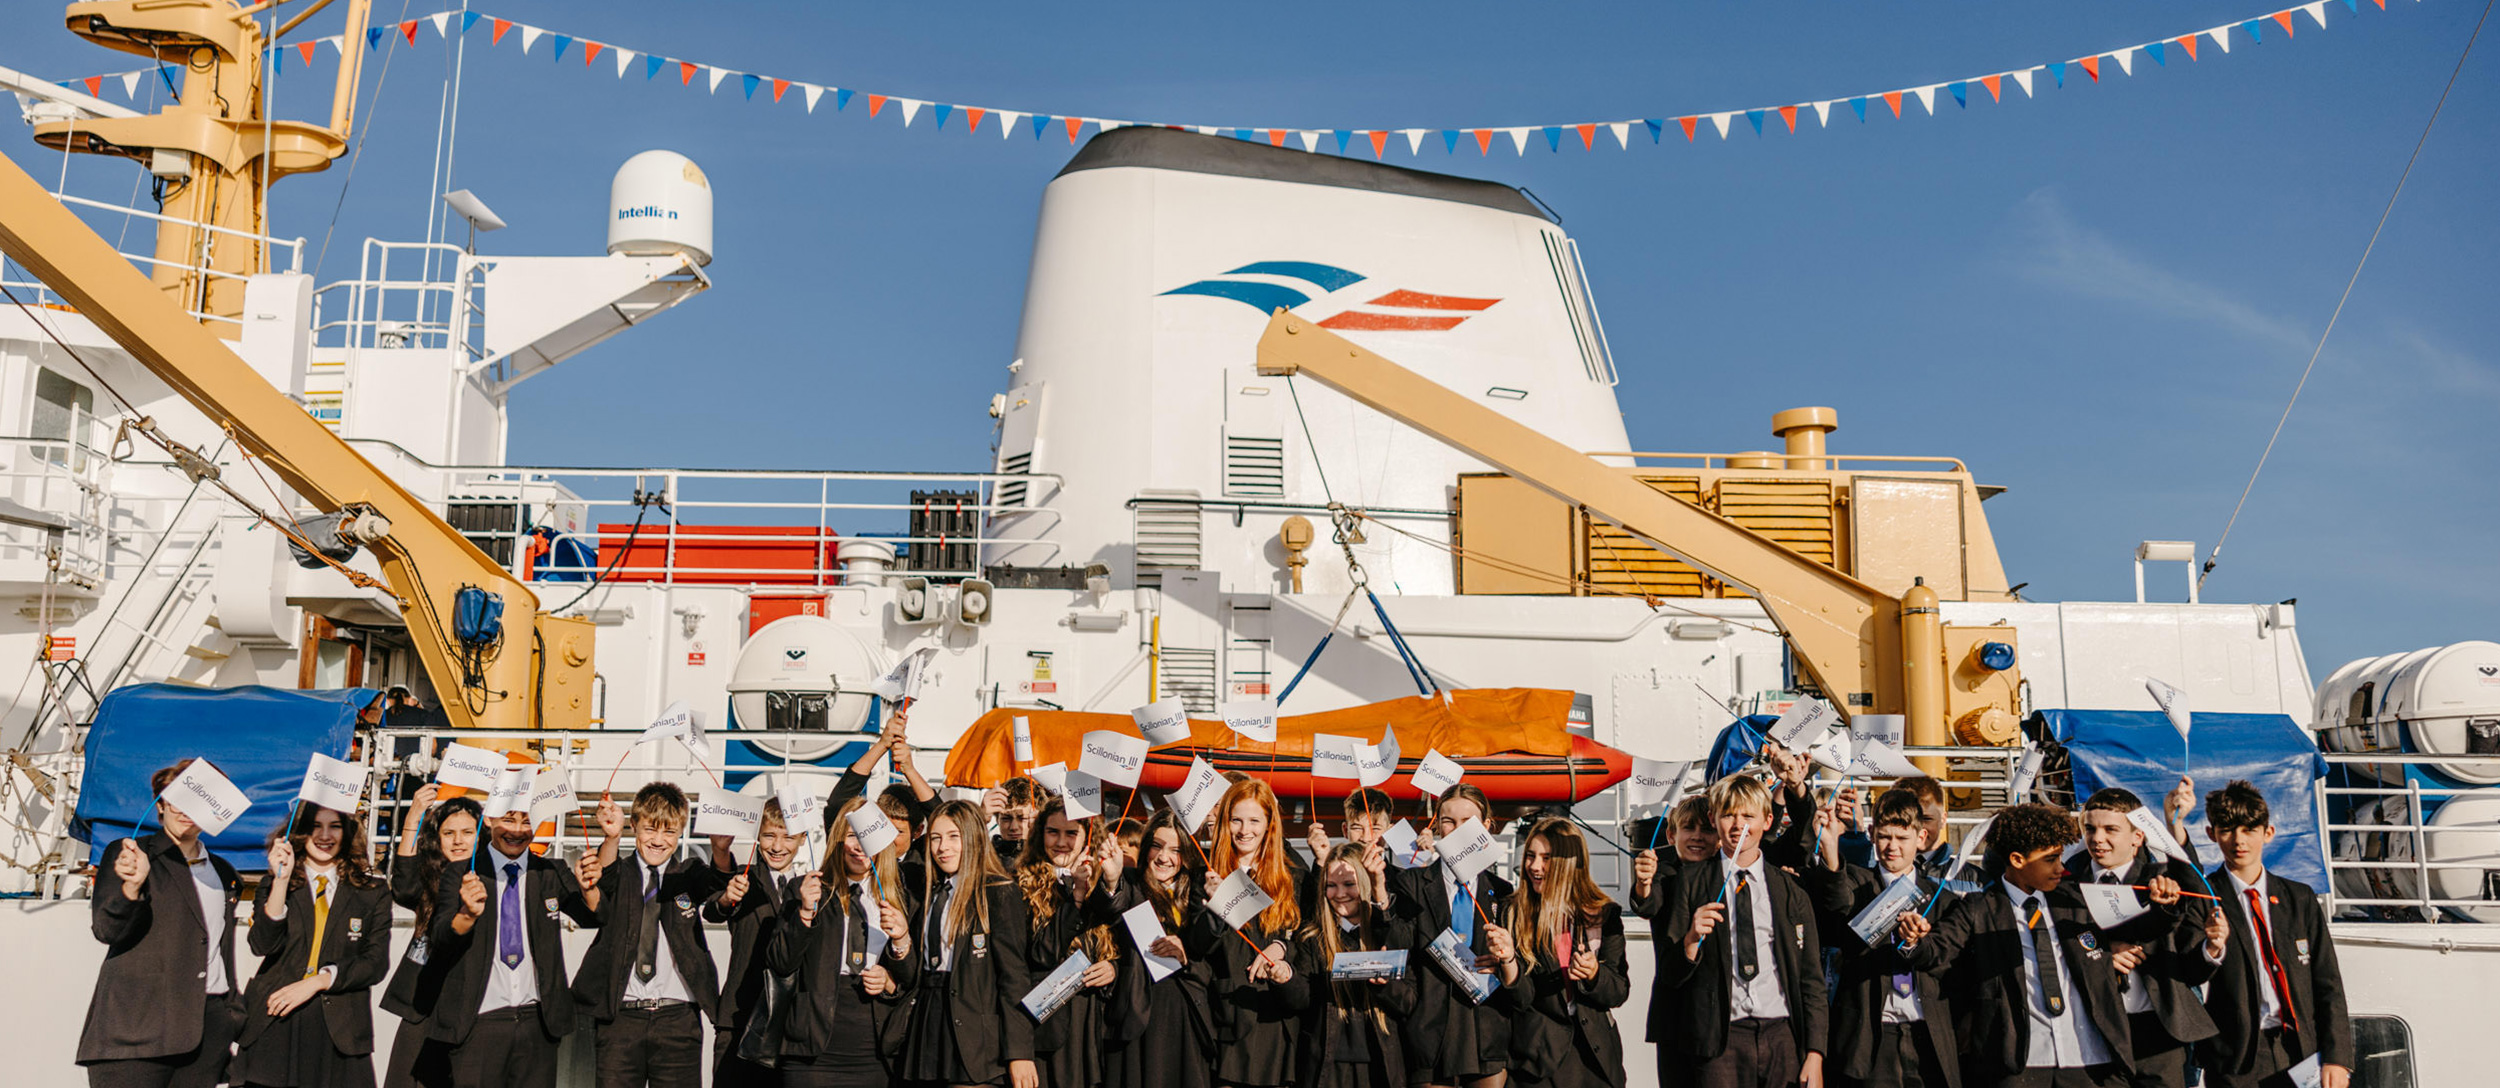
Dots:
{"x": 1262, "y": 986}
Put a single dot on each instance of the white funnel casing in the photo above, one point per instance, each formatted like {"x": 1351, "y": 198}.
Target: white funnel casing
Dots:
{"x": 660, "y": 203}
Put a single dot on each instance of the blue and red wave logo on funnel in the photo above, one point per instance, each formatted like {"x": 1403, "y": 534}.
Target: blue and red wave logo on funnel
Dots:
{"x": 1266, "y": 286}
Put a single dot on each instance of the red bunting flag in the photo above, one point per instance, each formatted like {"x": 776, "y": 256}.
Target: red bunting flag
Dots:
{"x": 1588, "y": 137}
{"x": 972, "y": 119}
{"x": 501, "y": 25}
{"x": 2284, "y": 17}
{"x": 1275, "y": 137}
{"x": 1688, "y": 123}
{"x": 409, "y": 29}
{"x": 875, "y": 102}
{"x": 1789, "y": 114}
{"x": 2091, "y": 67}
{"x": 779, "y": 85}
{"x": 685, "y": 77}
{"x": 590, "y": 52}
{"x": 1995, "y": 85}
{"x": 1893, "y": 99}
{"x": 1075, "y": 125}
{"x": 95, "y": 85}
{"x": 1380, "y": 142}
{"x": 1484, "y": 141}
{"x": 305, "y": 50}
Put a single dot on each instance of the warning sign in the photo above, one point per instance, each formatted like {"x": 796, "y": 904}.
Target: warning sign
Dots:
{"x": 61, "y": 648}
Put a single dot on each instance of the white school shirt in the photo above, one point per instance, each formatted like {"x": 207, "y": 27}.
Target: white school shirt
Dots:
{"x": 1762, "y": 998}
{"x": 2139, "y": 996}
{"x": 945, "y": 950}
{"x": 508, "y": 987}
{"x": 1901, "y": 1008}
{"x": 2067, "y": 1039}
{"x": 666, "y": 984}
{"x": 2269, "y": 1007}
{"x": 864, "y": 900}
{"x": 212, "y": 895}
{"x": 325, "y": 882}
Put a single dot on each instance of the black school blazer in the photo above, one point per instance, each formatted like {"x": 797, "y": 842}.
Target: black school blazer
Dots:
{"x": 1976, "y": 951}
{"x": 418, "y": 979}
{"x": 752, "y": 922}
{"x": 2307, "y": 952}
{"x": 1558, "y": 1018}
{"x": 549, "y": 894}
{"x": 991, "y": 977}
{"x": 685, "y": 885}
{"x": 812, "y": 956}
{"x": 1697, "y": 1003}
{"x": 153, "y": 988}
{"x": 356, "y": 940}
{"x": 2174, "y": 944}
{"x": 1866, "y": 974}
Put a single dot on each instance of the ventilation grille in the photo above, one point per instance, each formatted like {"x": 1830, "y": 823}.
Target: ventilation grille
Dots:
{"x": 1254, "y": 467}
{"x": 1189, "y": 676}
{"x": 1012, "y": 494}
{"x": 1169, "y": 535}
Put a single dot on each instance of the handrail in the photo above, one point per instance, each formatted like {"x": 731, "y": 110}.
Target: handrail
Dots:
{"x": 1707, "y": 458}
{"x": 296, "y": 247}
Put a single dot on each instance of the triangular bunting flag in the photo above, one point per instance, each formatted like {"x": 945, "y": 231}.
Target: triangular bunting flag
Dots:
{"x": 1519, "y": 139}
{"x": 1310, "y": 139}
{"x": 305, "y": 50}
{"x": 442, "y": 23}
{"x": 496, "y": 38}
{"x": 911, "y": 109}
{"x": 813, "y": 93}
{"x": 1342, "y": 137}
{"x": 95, "y": 85}
{"x": 779, "y": 85}
{"x": 1041, "y": 122}
{"x": 1754, "y": 118}
{"x": 2058, "y": 68}
{"x": 1007, "y": 122}
{"x": 1553, "y": 138}
{"x": 2285, "y": 18}
{"x": 1449, "y": 141}
{"x": 876, "y": 102}
{"x": 1859, "y": 104}
{"x": 718, "y": 74}
{"x": 130, "y": 85}
{"x": 2317, "y": 10}
{"x": 2188, "y": 42}
{"x": 1996, "y": 87}
{"x": 972, "y": 120}
{"x": 529, "y": 37}
{"x": 943, "y": 112}
{"x": 468, "y": 19}
{"x": 373, "y": 37}
{"x": 1926, "y": 97}
{"x": 1276, "y": 137}
{"x": 2155, "y": 51}
{"x": 1380, "y": 142}
{"x": 1687, "y": 122}
{"x": 1588, "y": 137}
{"x": 842, "y": 97}
{"x": 1656, "y": 127}
{"x": 1823, "y": 113}
{"x": 2256, "y": 31}
{"x": 2091, "y": 67}
{"x": 685, "y": 73}
{"x": 590, "y": 52}
{"x": 1415, "y": 141}
{"x": 2023, "y": 80}
{"x": 1623, "y": 134}
{"x": 2126, "y": 60}
{"x": 1789, "y": 114}
{"x": 1893, "y": 99}
{"x": 650, "y": 67}
{"x": 1075, "y": 125}
{"x": 2221, "y": 36}
{"x": 1484, "y": 140}
{"x": 561, "y": 41}
{"x": 747, "y": 82}
{"x": 1961, "y": 92}
{"x": 409, "y": 30}
{"x": 1721, "y": 120}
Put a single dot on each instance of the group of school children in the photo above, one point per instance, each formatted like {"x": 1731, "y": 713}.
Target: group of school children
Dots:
{"x": 912, "y": 966}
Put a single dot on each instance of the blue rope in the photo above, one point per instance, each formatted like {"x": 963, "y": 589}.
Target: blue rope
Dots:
{"x": 1306, "y": 667}
{"x": 1424, "y": 684}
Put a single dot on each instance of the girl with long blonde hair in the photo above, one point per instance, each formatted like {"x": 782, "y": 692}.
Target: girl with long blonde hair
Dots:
{"x": 1454, "y": 1041}
{"x": 1573, "y": 971}
{"x": 846, "y": 942}
{"x": 967, "y": 1023}
{"x": 1261, "y": 987}
{"x": 1350, "y": 1039}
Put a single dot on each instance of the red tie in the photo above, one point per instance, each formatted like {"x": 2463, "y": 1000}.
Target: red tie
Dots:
{"x": 2274, "y": 965}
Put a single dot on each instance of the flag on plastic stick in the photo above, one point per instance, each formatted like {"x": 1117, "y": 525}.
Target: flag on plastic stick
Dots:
{"x": 1333, "y": 756}
{"x": 1436, "y": 773}
{"x": 207, "y": 796}
{"x": 1083, "y": 797}
{"x": 802, "y": 809}
{"x": 1251, "y": 719}
{"x": 2026, "y": 772}
{"x": 1468, "y": 850}
{"x": 468, "y": 768}
{"x": 2157, "y": 836}
{"x": 1164, "y": 721}
{"x": 1653, "y": 781}
{"x": 1372, "y": 766}
{"x": 874, "y": 830}
{"x": 1195, "y": 801}
{"x": 2173, "y": 702}
{"x": 902, "y": 682}
{"x": 1876, "y": 759}
{"x": 551, "y": 793}
{"x": 512, "y": 789}
{"x": 1832, "y": 753}
{"x": 1388, "y": 747}
{"x": 1052, "y": 776}
{"x": 1802, "y": 726}
{"x": 1113, "y": 757}
{"x": 1023, "y": 733}
{"x": 334, "y": 784}
{"x": 677, "y": 720}
{"x": 726, "y": 812}
{"x": 1239, "y": 899}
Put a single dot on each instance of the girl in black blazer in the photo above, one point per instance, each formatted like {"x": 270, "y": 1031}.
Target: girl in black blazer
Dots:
{"x": 1159, "y": 1031}
{"x": 1350, "y": 1038}
{"x": 1062, "y": 865}
{"x": 1452, "y": 1042}
{"x": 1260, "y": 993}
{"x": 164, "y": 1010}
{"x": 444, "y": 837}
{"x": 1570, "y": 943}
{"x": 853, "y": 972}
{"x": 322, "y": 927}
{"x": 968, "y": 1025}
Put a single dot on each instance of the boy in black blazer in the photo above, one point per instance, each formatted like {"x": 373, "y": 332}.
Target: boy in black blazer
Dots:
{"x": 2164, "y": 1015}
{"x": 2034, "y": 993}
{"x": 1891, "y": 1026}
{"x": 648, "y": 979}
{"x": 1746, "y": 1003}
{"x": 505, "y": 1000}
{"x": 2277, "y": 998}
{"x": 1689, "y": 839}
{"x": 753, "y": 906}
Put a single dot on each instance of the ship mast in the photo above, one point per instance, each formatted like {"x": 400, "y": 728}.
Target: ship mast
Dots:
{"x": 213, "y": 150}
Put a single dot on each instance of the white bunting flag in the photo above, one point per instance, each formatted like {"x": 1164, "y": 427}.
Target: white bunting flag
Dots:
{"x": 802, "y": 809}
{"x": 2157, "y": 837}
{"x": 1164, "y": 721}
{"x": 1333, "y": 756}
{"x": 813, "y": 92}
{"x": 1195, "y": 801}
{"x": 2222, "y": 37}
{"x": 1008, "y": 121}
{"x": 1414, "y": 141}
{"x": 1721, "y": 120}
{"x": 2173, "y": 702}
{"x": 552, "y": 795}
{"x": 1022, "y": 730}
{"x": 1052, "y": 776}
{"x": 1803, "y": 725}
{"x": 512, "y": 789}
{"x": 130, "y": 85}
{"x": 1468, "y": 850}
{"x": 718, "y": 74}
{"x": 2023, "y": 80}
{"x": 1623, "y": 134}
{"x": 1436, "y": 773}
{"x": 1083, "y": 797}
{"x": 911, "y": 109}
{"x": 1823, "y": 113}
{"x": 1113, "y": 757}
{"x": 1239, "y": 899}
{"x": 2126, "y": 60}
{"x": 2316, "y": 10}
{"x": 1927, "y": 98}
{"x": 207, "y": 796}
{"x": 529, "y": 37}
{"x": 1251, "y": 719}
{"x": 468, "y": 768}
{"x": 442, "y": 24}
{"x": 1653, "y": 781}
{"x": 1519, "y": 139}
{"x": 1876, "y": 759}
{"x": 624, "y": 57}
{"x": 721, "y": 812}
{"x": 874, "y": 830}
{"x": 334, "y": 784}
{"x": 1310, "y": 140}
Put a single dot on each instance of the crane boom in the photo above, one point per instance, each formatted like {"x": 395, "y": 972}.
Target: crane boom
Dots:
{"x": 425, "y": 560}
{"x": 1846, "y": 634}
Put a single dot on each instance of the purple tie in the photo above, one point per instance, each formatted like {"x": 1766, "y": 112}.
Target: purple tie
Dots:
{"x": 508, "y": 917}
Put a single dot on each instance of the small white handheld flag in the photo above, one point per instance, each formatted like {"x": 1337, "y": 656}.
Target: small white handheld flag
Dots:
{"x": 1436, "y": 773}
{"x": 675, "y": 721}
{"x": 333, "y": 784}
{"x": 1023, "y": 732}
{"x": 1198, "y": 795}
{"x": 1113, "y": 757}
{"x": 1083, "y": 797}
{"x": 1145, "y": 929}
{"x": 551, "y": 793}
{"x": 1468, "y": 850}
{"x": 802, "y": 809}
{"x": 1400, "y": 839}
{"x": 1877, "y": 759}
{"x": 2172, "y": 701}
{"x": 1653, "y": 781}
{"x": 468, "y": 768}
{"x": 903, "y": 680}
{"x": 1333, "y": 756}
{"x": 1239, "y": 899}
{"x": 1052, "y": 776}
{"x": 1372, "y": 766}
{"x": 2027, "y": 771}
{"x": 1165, "y": 721}
{"x": 722, "y": 812}
{"x": 207, "y": 796}
{"x": 512, "y": 789}
{"x": 1252, "y": 719}
{"x": 874, "y": 830}
{"x": 2157, "y": 836}
{"x": 1804, "y": 724}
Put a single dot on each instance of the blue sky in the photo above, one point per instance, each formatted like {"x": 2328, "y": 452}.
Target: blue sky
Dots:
{"x": 2099, "y": 297}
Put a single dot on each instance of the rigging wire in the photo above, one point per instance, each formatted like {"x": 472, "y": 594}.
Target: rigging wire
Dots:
{"x": 373, "y": 111}
{"x": 2214, "y": 557}
{"x": 1316, "y": 464}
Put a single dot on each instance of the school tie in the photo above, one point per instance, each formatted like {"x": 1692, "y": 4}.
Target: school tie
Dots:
{"x": 855, "y": 935}
{"x": 647, "y": 931}
{"x": 2274, "y": 966}
{"x": 1741, "y": 935}
{"x": 508, "y": 917}
{"x": 1463, "y": 917}
{"x": 2044, "y": 953}
{"x": 321, "y": 923}
{"x": 936, "y": 941}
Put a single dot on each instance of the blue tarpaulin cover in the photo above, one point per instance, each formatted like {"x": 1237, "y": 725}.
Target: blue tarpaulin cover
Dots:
{"x": 2140, "y": 751}
{"x": 1738, "y": 745}
{"x": 259, "y": 737}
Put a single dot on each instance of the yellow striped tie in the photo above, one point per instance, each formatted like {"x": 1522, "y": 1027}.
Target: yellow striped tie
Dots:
{"x": 321, "y": 921}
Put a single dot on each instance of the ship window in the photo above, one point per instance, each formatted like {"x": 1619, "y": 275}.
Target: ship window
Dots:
{"x": 2382, "y": 1049}
{"x": 62, "y": 408}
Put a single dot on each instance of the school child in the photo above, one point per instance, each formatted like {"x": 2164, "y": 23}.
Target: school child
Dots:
{"x": 1368, "y": 814}
{"x": 1160, "y": 1032}
{"x": 321, "y": 925}
{"x": 163, "y": 1013}
{"x": 2030, "y": 978}
{"x": 752, "y": 905}
{"x": 443, "y": 838}
{"x": 1350, "y": 1039}
{"x": 847, "y": 945}
{"x": 1746, "y": 1003}
{"x": 1014, "y": 805}
{"x": 2277, "y": 997}
{"x": 2165, "y": 1018}
{"x": 648, "y": 980}
{"x": 1130, "y": 834}
{"x": 967, "y": 1023}
{"x": 1891, "y": 1027}
{"x": 908, "y": 808}
{"x": 1452, "y": 1041}
{"x": 506, "y": 1002}
{"x": 1061, "y": 867}
{"x": 1259, "y": 993}
{"x": 1574, "y": 974}
{"x": 1857, "y": 849}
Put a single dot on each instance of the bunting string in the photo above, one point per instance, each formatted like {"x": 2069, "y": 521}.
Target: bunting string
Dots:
{"x": 2189, "y": 48}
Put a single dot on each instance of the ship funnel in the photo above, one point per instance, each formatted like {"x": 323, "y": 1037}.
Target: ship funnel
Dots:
{"x": 1804, "y": 429}
{"x": 660, "y": 204}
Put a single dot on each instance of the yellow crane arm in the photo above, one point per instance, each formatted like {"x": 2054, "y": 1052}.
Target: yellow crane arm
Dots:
{"x": 1845, "y": 634}
{"x": 424, "y": 558}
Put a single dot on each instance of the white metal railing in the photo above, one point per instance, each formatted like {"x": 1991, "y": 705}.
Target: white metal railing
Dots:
{"x": 198, "y": 263}
{"x": 403, "y": 296}
{"x": 2385, "y": 856}
{"x": 70, "y": 478}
